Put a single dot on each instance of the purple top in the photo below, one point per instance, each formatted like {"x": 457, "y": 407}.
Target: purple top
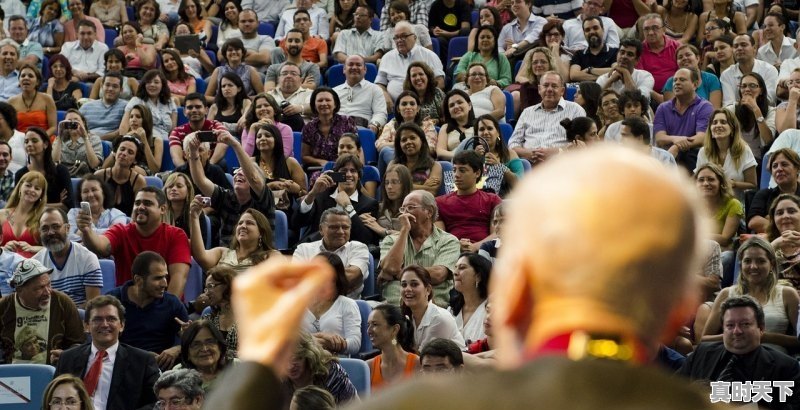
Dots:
{"x": 327, "y": 147}
{"x": 692, "y": 121}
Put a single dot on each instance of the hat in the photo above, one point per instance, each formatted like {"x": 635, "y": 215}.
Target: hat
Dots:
{"x": 27, "y": 270}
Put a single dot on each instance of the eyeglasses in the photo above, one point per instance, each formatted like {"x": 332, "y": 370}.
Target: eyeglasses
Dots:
{"x": 653, "y": 28}
{"x": 173, "y": 402}
{"x": 212, "y": 286}
{"x": 708, "y": 29}
{"x": 751, "y": 86}
{"x": 68, "y": 403}
{"x": 402, "y": 37}
{"x": 409, "y": 208}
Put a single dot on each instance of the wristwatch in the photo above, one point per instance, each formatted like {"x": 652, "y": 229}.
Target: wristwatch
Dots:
{"x": 349, "y": 209}
{"x": 760, "y": 119}
{"x": 515, "y": 45}
{"x": 589, "y": 70}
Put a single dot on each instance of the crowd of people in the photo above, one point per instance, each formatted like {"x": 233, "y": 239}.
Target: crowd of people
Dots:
{"x": 189, "y": 141}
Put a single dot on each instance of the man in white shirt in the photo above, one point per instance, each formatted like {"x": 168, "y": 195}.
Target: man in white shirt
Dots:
{"x": 744, "y": 53}
{"x": 334, "y": 225}
{"x": 573, "y": 28}
{"x": 361, "y": 39}
{"x": 269, "y": 11}
{"x": 86, "y": 54}
{"x": 779, "y": 47}
{"x": 360, "y": 99}
{"x": 126, "y": 374}
{"x": 624, "y": 75}
{"x": 320, "y": 22}
{"x": 521, "y": 31}
{"x": 394, "y": 64}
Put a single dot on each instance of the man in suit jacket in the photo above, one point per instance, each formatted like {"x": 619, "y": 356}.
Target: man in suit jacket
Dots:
{"x": 581, "y": 298}
{"x": 740, "y": 357}
{"x": 128, "y": 374}
{"x": 346, "y": 195}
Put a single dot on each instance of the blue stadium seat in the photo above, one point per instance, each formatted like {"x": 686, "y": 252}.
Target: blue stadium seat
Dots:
{"x": 60, "y": 115}
{"x": 372, "y": 72}
{"x": 298, "y": 146}
{"x": 509, "y": 107}
{"x": 86, "y": 89}
{"x": 367, "y": 138}
{"x": 475, "y": 18}
{"x": 435, "y": 45}
{"x": 182, "y": 117}
{"x": 517, "y": 66}
{"x": 211, "y": 44}
{"x": 213, "y": 57}
{"x": 447, "y": 166}
{"x": 335, "y": 75}
{"x": 108, "y": 269}
{"x": 570, "y": 93}
{"x": 200, "y": 85}
{"x": 376, "y": 23}
{"x": 369, "y": 286}
{"x": 75, "y": 182}
{"x": 111, "y": 35}
{"x": 457, "y": 47}
{"x": 166, "y": 159}
{"x": 106, "y": 148}
{"x": 364, "y": 309}
{"x": 154, "y": 182}
{"x": 131, "y": 13}
{"x": 231, "y": 159}
{"x": 765, "y": 174}
{"x": 266, "y": 29}
{"x": 358, "y": 372}
{"x": 28, "y": 395}
{"x": 505, "y": 131}
{"x": 281, "y": 234}
{"x": 45, "y": 71}
{"x": 194, "y": 282}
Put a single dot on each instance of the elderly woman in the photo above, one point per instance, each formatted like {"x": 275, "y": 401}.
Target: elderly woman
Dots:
{"x": 251, "y": 244}
{"x": 153, "y": 30}
{"x": 203, "y": 348}
{"x": 390, "y": 332}
{"x": 759, "y": 280}
{"x": 66, "y": 391}
{"x": 321, "y": 134}
{"x": 98, "y": 194}
{"x": 485, "y": 97}
{"x": 75, "y": 147}
{"x": 485, "y": 51}
{"x": 429, "y": 321}
{"x": 333, "y": 318}
{"x": 60, "y": 85}
{"x": 47, "y": 29}
{"x": 179, "y": 388}
{"x": 313, "y": 365}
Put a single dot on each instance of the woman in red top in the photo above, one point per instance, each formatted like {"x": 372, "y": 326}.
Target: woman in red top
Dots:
{"x": 391, "y": 333}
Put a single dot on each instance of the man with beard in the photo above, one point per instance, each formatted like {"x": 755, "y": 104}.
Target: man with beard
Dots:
{"x": 744, "y": 52}
{"x": 9, "y": 76}
{"x": 623, "y": 75}
{"x": 595, "y": 60}
{"x": 145, "y": 233}
{"x": 573, "y": 28}
{"x": 315, "y": 49}
{"x": 658, "y": 54}
{"x": 361, "y": 100}
{"x": 76, "y": 270}
{"x": 152, "y": 314}
{"x": 309, "y": 72}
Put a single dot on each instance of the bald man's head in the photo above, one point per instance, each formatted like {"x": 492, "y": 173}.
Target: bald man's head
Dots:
{"x": 603, "y": 239}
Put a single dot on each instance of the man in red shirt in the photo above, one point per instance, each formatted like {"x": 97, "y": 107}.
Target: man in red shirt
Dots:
{"x": 145, "y": 233}
{"x": 658, "y": 54}
{"x": 466, "y": 213}
{"x": 194, "y": 107}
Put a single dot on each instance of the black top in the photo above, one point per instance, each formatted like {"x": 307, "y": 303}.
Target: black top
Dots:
{"x": 56, "y": 184}
{"x": 762, "y": 201}
{"x": 125, "y": 190}
{"x": 605, "y": 58}
{"x": 64, "y": 99}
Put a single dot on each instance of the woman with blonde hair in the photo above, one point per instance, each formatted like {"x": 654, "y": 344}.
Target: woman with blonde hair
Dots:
{"x": 725, "y": 147}
{"x": 20, "y": 218}
{"x": 179, "y": 191}
{"x": 66, "y": 391}
{"x": 525, "y": 89}
{"x": 783, "y": 231}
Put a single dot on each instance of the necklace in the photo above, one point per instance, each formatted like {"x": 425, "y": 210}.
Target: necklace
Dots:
{"x": 28, "y": 106}
{"x": 266, "y": 168}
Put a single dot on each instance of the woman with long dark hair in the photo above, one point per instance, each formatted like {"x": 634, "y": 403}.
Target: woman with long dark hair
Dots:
{"x": 411, "y": 150}
{"x": 487, "y": 16}
{"x": 756, "y": 116}
{"x": 203, "y": 348}
{"x": 485, "y": 51}
{"x": 459, "y": 117}
{"x": 281, "y": 172}
{"x": 406, "y": 109}
{"x": 396, "y": 185}
{"x": 121, "y": 176}
{"x": 230, "y": 103}
{"x": 155, "y": 94}
{"x": 180, "y": 83}
{"x": 391, "y": 333}
{"x": 468, "y": 302}
{"x": 588, "y": 97}
{"x": 40, "y": 158}
{"x": 429, "y": 321}
{"x": 420, "y": 79}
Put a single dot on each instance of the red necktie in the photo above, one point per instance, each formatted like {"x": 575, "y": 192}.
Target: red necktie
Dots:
{"x": 93, "y": 375}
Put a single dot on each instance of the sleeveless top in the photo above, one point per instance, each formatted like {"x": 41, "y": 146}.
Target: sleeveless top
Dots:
{"x": 26, "y": 236}
{"x": 64, "y": 99}
{"x": 125, "y": 190}
{"x": 29, "y": 119}
{"x": 774, "y": 314}
{"x": 376, "y": 378}
{"x": 229, "y": 121}
{"x": 243, "y": 71}
{"x": 230, "y": 259}
{"x": 482, "y": 101}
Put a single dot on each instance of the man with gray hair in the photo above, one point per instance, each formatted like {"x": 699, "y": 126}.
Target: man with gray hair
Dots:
{"x": 419, "y": 242}
{"x": 9, "y": 76}
{"x": 179, "y": 388}
{"x": 334, "y": 225}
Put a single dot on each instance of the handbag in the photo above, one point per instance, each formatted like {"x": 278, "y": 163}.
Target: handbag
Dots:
{"x": 78, "y": 169}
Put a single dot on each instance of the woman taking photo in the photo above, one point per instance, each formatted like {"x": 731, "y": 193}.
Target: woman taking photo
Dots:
{"x": 429, "y": 321}
{"x": 98, "y": 194}
{"x": 412, "y": 151}
{"x": 724, "y": 146}
{"x": 420, "y": 79}
{"x": 756, "y": 116}
{"x": 230, "y": 103}
{"x": 140, "y": 57}
{"x": 783, "y": 231}
{"x": 459, "y": 118}
{"x": 468, "y": 303}
{"x": 251, "y": 244}
{"x": 179, "y": 191}
{"x": 333, "y": 319}
{"x": 60, "y": 86}
{"x": 121, "y": 177}
{"x": 40, "y": 159}
{"x": 234, "y": 52}
{"x": 396, "y": 185}
{"x": 155, "y": 95}
{"x": 179, "y": 81}
{"x": 485, "y": 98}
{"x": 265, "y": 111}
{"x": 115, "y": 61}
{"x": 203, "y": 348}
{"x": 47, "y": 29}
{"x": 217, "y": 295}
{"x": 759, "y": 280}
{"x": 390, "y": 332}
{"x": 153, "y": 30}
{"x": 75, "y": 148}
{"x": 66, "y": 391}
{"x": 34, "y": 109}
{"x": 20, "y": 218}
{"x": 321, "y": 134}
{"x": 485, "y": 51}
{"x": 407, "y": 109}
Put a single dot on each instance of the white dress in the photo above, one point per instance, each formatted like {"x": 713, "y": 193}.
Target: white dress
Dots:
{"x": 342, "y": 318}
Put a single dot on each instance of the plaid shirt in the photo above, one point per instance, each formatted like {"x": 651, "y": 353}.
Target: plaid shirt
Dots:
{"x": 419, "y": 13}
{"x": 6, "y": 186}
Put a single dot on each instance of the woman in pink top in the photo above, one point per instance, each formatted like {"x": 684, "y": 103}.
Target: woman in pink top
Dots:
{"x": 179, "y": 81}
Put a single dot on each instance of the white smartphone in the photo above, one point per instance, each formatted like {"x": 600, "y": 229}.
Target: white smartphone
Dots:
{"x": 85, "y": 208}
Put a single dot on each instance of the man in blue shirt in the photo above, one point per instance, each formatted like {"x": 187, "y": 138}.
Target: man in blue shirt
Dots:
{"x": 9, "y": 76}
{"x": 104, "y": 115}
{"x": 150, "y": 311}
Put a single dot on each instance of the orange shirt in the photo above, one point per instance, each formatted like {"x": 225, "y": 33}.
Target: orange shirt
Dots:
{"x": 377, "y": 380}
{"x": 311, "y": 49}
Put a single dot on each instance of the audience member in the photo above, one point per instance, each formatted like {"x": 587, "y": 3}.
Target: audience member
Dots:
{"x": 390, "y": 332}
{"x": 180, "y": 387}
{"x": 744, "y": 53}
{"x": 360, "y": 40}
{"x": 34, "y": 109}
{"x": 98, "y": 194}
{"x": 784, "y": 166}
{"x": 20, "y": 217}
{"x": 9, "y": 76}
{"x": 86, "y": 53}
{"x": 203, "y": 348}
{"x": 441, "y": 355}
{"x": 195, "y": 110}
{"x": 574, "y": 39}
{"x": 121, "y": 174}
{"x": 105, "y": 115}
{"x": 658, "y": 53}
{"x": 360, "y": 99}
{"x": 598, "y": 58}
{"x": 688, "y": 56}
{"x": 309, "y": 75}
{"x": 395, "y": 63}
{"x": 315, "y": 49}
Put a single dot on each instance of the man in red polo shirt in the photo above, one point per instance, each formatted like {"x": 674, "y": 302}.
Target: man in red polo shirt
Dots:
{"x": 658, "y": 55}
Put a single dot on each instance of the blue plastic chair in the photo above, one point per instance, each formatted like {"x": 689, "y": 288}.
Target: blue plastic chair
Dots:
{"x": 298, "y": 146}
{"x": 154, "y": 182}
{"x": 336, "y": 75}
{"x": 166, "y": 159}
{"x": 457, "y": 47}
{"x": 108, "y": 269}
{"x": 281, "y": 234}
{"x": 369, "y": 284}
{"x": 517, "y": 66}
{"x": 765, "y": 174}
{"x": 358, "y": 372}
{"x": 60, "y": 115}
{"x": 376, "y": 23}
{"x": 571, "y": 91}
{"x": 45, "y": 72}
{"x": 447, "y": 166}
{"x": 75, "y": 182}
{"x": 509, "y": 107}
{"x": 372, "y": 72}
{"x": 435, "y": 45}
{"x": 182, "y": 117}
{"x": 364, "y": 309}
{"x": 131, "y": 13}
{"x": 86, "y": 89}
{"x": 475, "y": 18}
{"x": 200, "y": 85}
{"x": 213, "y": 57}
{"x": 367, "y": 138}
{"x": 107, "y": 147}
{"x": 266, "y": 29}
{"x": 526, "y": 165}
{"x": 39, "y": 376}
{"x": 111, "y": 35}
{"x": 211, "y": 44}
{"x": 230, "y": 178}
{"x": 231, "y": 159}
{"x": 505, "y": 131}
{"x": 194, "y": 282}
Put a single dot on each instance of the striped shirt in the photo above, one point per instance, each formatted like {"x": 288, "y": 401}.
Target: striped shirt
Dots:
{"x": 563, "y": 9}
{"x": 541, "y": 128}
{"x": 81, "y": 269}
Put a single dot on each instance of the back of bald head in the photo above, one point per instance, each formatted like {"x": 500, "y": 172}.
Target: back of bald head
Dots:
{"x": 606, "y": 226}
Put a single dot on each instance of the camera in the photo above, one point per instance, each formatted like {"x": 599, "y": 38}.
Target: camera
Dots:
{"x": 70, "y": 125}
